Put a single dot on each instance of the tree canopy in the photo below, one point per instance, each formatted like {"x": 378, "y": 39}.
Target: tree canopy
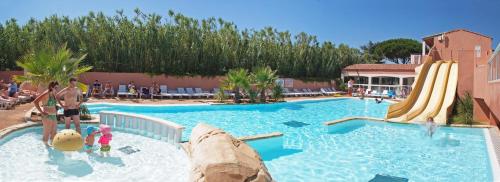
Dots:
{"x": 175, "y": 45}
{"x": 394, "y": 50}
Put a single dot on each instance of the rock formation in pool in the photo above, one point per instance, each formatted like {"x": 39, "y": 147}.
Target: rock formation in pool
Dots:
{"x": 218, "y": 156}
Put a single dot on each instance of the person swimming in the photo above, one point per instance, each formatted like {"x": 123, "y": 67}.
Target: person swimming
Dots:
{"x": 431, "y": 126}
{"x": 379, "y": 101}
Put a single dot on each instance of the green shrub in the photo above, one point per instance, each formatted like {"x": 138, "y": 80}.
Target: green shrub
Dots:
{"x": 464, "y": 110}
{"x": 84, "y": 112}
{"x": 252, "y": 96}
{"x": 277, "y": 93}
{"x": 220, "y": 96}
{"x": 342, "y": 86}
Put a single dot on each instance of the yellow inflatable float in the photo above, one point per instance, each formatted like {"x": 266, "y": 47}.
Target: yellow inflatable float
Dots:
{"x": 68, "y": 140}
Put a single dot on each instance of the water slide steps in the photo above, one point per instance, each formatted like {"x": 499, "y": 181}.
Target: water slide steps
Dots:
{"x": 434, "y": 100}
{"x": 426, "y": 87}
{"x": 398, "y": 109}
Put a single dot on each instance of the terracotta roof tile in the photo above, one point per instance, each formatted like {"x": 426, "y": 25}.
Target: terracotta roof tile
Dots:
{"x": 382, "y": 67}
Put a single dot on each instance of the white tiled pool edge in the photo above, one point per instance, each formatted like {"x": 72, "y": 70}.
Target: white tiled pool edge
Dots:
{"x": 492, "y": 153}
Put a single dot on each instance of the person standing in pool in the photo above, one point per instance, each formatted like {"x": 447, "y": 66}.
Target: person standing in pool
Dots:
{"x": 431, "y": 126}
{"x": 72, "y": 101}
{"x": 49, "y": 111}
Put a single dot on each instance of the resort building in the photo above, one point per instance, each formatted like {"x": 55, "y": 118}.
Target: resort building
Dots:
{"x": 380, "y": 77}
{"x": 474, "y": 54}
{"x": 478, "y": 70}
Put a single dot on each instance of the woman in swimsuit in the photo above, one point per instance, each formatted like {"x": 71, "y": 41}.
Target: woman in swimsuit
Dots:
{"x": 49, "y": 111}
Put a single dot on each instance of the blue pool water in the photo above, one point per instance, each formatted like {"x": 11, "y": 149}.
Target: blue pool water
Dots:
{"x": 350, "y": 151}
{"x": 23, "y": 157}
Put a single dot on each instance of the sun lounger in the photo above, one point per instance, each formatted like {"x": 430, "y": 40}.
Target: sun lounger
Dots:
{"x": 334, "y": 91}
{"x": 324, "y": 91}
{"x": 385, "y": 93}
{"x": 287, "y": 92}
{"x": 306, "y": 92}
{"x": 24, "y": 98}
{"x": 299, "y": 93}
{"x": 191, "y": 92}
{"x": 375, "y": 94}
{"x": 181, "y": 93}
{"x": 122, "y": 90}
{"x": 202, "y": 93}
{"x": 164, "y": 92}
{"x": 143, "y": 94}
{"x": 313, "y": 92}
{"x": 5, "y": 104}
{"x": 153, "y": 95}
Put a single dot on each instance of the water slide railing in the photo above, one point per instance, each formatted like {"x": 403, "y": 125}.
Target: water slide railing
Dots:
{"x": 145, "y": 125}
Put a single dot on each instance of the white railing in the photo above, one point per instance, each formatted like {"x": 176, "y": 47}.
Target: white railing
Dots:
{"x": 145, "y": 125}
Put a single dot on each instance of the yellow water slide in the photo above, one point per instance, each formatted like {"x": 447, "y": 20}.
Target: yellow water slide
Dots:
{"x": 441, "y": 115}
{"x": 398, "y": 109}
{"x": 437, "y": 88}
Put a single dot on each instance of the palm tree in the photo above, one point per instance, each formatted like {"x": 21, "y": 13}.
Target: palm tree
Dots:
{"x": 264, "y": 78}
{"x": 236, "y": 79}
{"x": 48, "y": 64}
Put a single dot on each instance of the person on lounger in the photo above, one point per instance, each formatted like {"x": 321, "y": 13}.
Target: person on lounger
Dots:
{"x": 156, "y": 88}
{"x": 108, "y": 90}
{"x": 96, "y": 91}
{"x": 131, "y": 88}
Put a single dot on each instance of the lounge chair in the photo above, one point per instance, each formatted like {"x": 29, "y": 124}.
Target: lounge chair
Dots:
{"x": 314, "y": 92}
{"x": 335, "y": 91}
{"x": 375, "y": 94}
{"x": 181, "y": 92}
{"x": 153, "y": 95}
{"x": 299, "y": 93}
{"x": 325, "y": 92}
{"x": 287, "y": 92}
{"x": 385, "y": 93}
{"x": 142, "y": 94}
{"x": 191, "y": 92}
{"x": 368, "y": 91}
{"x": 202, "y": 93}
{"x": 164, "y": 92}
{"x": 5, "y": 104}
{"x": 306, "y": 92}
{"x": 122, "y": 90}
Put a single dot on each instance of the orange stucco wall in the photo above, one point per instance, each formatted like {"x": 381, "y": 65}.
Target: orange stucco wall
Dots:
{"x": 7, "y": 75}
{"x": 140, "y": 79}
{"x": 459, "y": 46}
{"x": 486, "y": 96}
{"x": 472, "y": 70}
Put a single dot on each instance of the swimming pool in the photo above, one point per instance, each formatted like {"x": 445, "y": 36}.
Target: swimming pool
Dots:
{"x": 350, "y": 151}
{"x": 133, "y": 158}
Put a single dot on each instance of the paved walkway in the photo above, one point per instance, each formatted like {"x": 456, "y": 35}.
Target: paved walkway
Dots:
{"x": 14, "y": 116}
{"x": 495, "y": 139}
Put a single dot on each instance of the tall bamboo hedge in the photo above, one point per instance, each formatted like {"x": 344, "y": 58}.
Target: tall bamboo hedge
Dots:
{"x": 175, "y": 45}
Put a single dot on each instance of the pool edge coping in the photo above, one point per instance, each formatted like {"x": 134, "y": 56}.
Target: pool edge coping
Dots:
{"x": 260, "y": 136}
{"x": 493, "y": 142}
{"x": 214, "y": 103}
{"x": 4, "y": 132}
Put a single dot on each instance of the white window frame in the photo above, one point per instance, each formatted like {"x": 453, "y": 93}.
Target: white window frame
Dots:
{"x": 494, "y": 66}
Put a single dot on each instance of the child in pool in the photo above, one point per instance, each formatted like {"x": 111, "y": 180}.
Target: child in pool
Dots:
{"x": 89, "y": 140}
{"x": 105, "y": 138}
{"x": 431, "y": 126}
